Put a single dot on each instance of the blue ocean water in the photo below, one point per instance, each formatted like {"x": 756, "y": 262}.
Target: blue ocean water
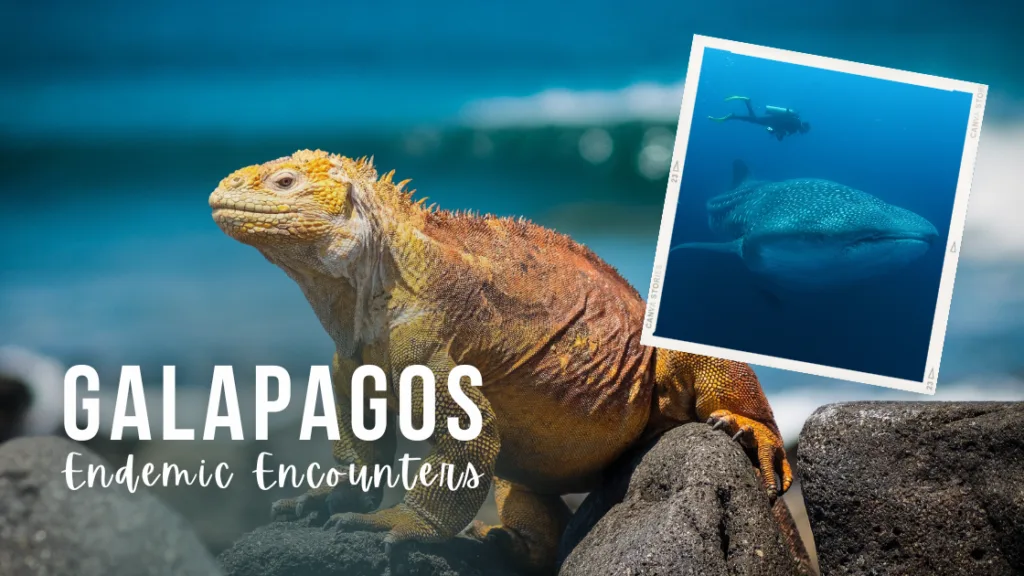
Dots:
{"x": 117, "y": 118}
{"x": 898, "y": 141}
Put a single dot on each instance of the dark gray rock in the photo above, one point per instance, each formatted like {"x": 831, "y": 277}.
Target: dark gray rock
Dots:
{"x": 242, "y": 506}
{"x": 690, "y": 504}
{"x": 31, "y": 393}
{"x": 48, "y": 529}
{"x": 15, "y": 401}
{"x": 916, "y": 487}
{"x": 301, "y": 549}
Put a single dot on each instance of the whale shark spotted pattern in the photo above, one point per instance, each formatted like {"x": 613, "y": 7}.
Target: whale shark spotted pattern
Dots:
{"x": 809, "y": 234}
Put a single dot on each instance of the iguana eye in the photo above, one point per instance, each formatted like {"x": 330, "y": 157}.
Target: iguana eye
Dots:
{"x": 284, "y": 180}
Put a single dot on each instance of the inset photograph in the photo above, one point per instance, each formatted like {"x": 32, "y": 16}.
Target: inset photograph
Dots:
{"x": 813, "y": 214}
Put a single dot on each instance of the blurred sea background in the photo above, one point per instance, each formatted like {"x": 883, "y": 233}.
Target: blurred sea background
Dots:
{"x": 900, "y": 142}
{"x": 118, "y": 118}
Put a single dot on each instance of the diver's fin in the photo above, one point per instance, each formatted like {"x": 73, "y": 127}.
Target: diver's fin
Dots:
{"x": 744, "y": 98}
{"x": 722, "y": 119}
{"x": 732, "y": 247}
{"x": 740, "y": 173}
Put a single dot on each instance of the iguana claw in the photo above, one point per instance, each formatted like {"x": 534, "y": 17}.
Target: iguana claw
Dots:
{"x": 301, "y": 504}
{"x": 291, "y": 508}
{"x": 762, "y": 443}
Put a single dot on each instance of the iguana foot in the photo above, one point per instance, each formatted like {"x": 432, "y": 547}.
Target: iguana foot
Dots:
{"x": 401, "y": 523}
{"x": 325, "y": 501}
{"x": 293, "y": 508}
{"x": 763, "y": 443}
{"x": 531, "y": 526}
{"x": 501, "y": 537}
{"x": 513, "y": 546}
{"x": 312, "y": 502}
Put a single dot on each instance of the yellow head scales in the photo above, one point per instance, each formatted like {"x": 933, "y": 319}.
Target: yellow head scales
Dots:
{"x": 297, "y": 198}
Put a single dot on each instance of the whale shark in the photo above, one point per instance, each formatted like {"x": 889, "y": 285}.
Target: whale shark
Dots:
{"x": 809, "y": 234}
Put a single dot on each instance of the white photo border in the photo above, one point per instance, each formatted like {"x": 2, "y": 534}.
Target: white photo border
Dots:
{"x": 927, "y": 384}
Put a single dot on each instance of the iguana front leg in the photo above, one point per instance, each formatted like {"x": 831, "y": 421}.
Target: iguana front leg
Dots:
{"x": 433, "y": 513}
{"x": 729, "y": 397}
{"x": 348, "y": 449}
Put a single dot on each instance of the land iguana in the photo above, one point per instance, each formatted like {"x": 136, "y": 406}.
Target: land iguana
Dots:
{"x": 553, "y": 329}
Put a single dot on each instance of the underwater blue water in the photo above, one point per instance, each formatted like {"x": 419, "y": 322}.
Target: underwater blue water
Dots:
{"x": 900, "y": 142}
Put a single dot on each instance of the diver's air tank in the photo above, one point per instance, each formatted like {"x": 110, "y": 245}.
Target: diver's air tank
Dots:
{"x": 779, "y": 111}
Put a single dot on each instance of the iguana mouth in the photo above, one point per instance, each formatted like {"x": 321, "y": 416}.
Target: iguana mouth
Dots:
{"x": 249, "y": 208}
{"x": 248, "y": 214}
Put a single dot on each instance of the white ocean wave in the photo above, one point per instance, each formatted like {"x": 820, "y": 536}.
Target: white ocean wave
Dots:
{"x": 648, "y": 101}
{"x": 993, "y": 233}
{"x": 994, "y": 230}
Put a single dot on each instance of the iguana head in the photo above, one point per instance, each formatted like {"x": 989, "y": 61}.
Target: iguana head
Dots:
{"x": 308, "y": 209}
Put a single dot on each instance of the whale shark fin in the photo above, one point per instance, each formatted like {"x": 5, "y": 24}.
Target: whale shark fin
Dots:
{"x": 740, "y": 173}
{"x": 732, "y": 247}
{"x": 767, "y": 292}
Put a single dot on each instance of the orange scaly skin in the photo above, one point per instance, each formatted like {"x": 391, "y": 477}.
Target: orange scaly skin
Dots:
{"x": 553, "y": 329}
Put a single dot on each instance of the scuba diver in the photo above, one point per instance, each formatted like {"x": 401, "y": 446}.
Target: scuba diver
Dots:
{"x": 780, "y": 122}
